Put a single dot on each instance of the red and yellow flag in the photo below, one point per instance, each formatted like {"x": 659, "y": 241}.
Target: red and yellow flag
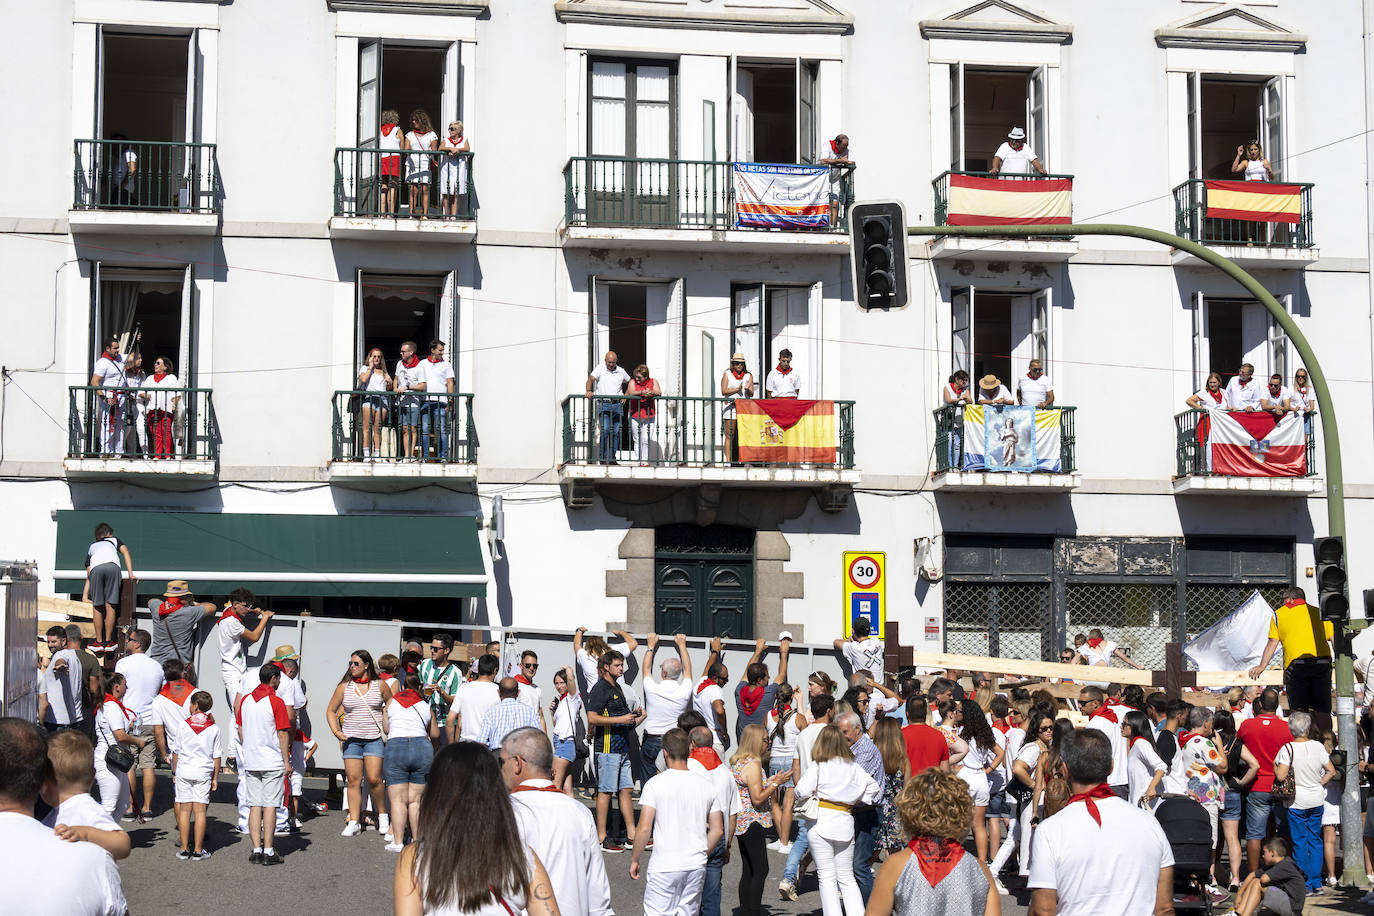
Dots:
{"x": 1254, "y": 201}
{"x": 975, "y": 201}
{"x": 786, "y": 431}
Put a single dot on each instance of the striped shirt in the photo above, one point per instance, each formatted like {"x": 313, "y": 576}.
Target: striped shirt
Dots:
{"x": 362, "y": 712}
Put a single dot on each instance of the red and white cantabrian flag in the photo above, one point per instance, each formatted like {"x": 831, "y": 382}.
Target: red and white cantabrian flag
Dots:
{"x": 1253, "y": 445}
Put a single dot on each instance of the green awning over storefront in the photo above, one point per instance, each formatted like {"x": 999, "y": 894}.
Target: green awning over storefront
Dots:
{"x": 420, "y": 556}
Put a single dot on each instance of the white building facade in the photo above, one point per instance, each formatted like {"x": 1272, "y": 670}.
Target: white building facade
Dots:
{"x": 253, "y": 240}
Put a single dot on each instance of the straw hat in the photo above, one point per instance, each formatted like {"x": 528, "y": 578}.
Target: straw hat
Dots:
{"x": 284, "y": 652}
{"x": 177, "y": 588}
{"x": 990, "y": 382}
{"x": 739, "y": 358}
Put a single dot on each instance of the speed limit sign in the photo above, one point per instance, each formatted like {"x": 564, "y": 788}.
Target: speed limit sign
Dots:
{"x": 865, "y": 589}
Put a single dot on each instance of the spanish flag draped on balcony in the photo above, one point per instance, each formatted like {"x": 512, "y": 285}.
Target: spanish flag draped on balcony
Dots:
{"x": 975, "y": 201}
{"x": 786, "y": 431}
{"x": 1254, "y": 201}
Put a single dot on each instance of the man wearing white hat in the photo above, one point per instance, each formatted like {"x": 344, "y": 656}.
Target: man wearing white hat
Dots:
{"x": 1015, "y": 157}
{"x": 735, "y": 382}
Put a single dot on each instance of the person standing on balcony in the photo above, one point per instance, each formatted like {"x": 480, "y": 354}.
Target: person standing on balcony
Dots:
{"x": 390, "y": 166}
{"x": 1035, "y": 389}
{"x": 453, "y": 171}
{"x": 1211, "y": 397}
{"x": 108, "y": 375}
{"x": 1276, "y": 399}
{"x": 608, "y": 380}
{"x": 784, "y": 381}
{"x": 161, "y": 406}
{"x": 956, "y": 390}
{"x": 136, "y": 418}
{"x": 1303, "y": 399}
{"x": 991, "y": 391}
{"x": 421, "y": 136}
{"x": 835, "y": 153}
{"x": 126, "y": 173}
{"x": 438, "y": 375}
{"x": 643, "y": 410}
{"x": 1241, "y": 392}
{"x": 409, "y": 377}
{"x": 1015, "y": 157}
{"x": 1250, "y": 160}
{"x": 374, "y": 380}
{"x": 735, "y": 382}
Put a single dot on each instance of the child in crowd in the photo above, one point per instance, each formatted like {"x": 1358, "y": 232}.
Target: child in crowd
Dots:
{"x": 388, "y": 665}
{"x": 195, "y": 773}
{"x": 1279, "y": 887}
{"x": 302, "y": 750}
{"x": 76, "y": 816}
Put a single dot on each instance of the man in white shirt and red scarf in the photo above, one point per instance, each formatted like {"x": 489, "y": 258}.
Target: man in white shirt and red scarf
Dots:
{"x": 835, "y": 153}
{"x": 110, "y": 373}
{"x": 1243, "y": 392}
{"x": 784, "y": 381}
{"x": 1092, "y": 703}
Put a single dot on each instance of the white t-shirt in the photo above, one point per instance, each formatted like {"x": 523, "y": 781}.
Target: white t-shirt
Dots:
{"x": 784, "y": 384}
{"x": 704, "y": 701}
{"x": 1239, "y": 397}
{"x": 376, "y": 381}
{"x": 566, "y": 716}
{"x": 1302, "y": 400}
{"x": 1016, "y": 161}
{"x": 64, "y": 688}
{"x": 562, "y": 832}
{"x": 111, "y": 372}
{"x": 160, "y": 399}
{"x": 408, "y": 721}
{"x": 105, "y": 550}
{"x": 664, "y": 701}
{"x": 230, "y": 631}
{"x": 84, "y": 811}
{"x": 144, "y": 677}
{"x": 89, "y": 880}
{"x": 722, "y": 782}
{"x": 609, "y": 381}
{"x": 1034, "y": 391}
{"x": 1142, "y": 762}
{"x": 1001, "y": 394}
{"x": 1208, "y": 402}
{"x": 531, "y": 696}
{"x": 437, "y": 376}
{"x": 1101, "y": 656}
{"x": 1308, "y": 760}
{"x": 806, "y": 740}
{"x": 472, "y": 702}
{"x": 197, "y": 751}
{"x": 170, "y": 714}
{"x": 288, "y": 688}
{"x": 785, "y": 743}
{"x": 1275, "y": 400}
{"x": 682, "y": 803}
{"x": 865, "y": 655}
{"x": 261, "y": 718}
{"x": 408, "y": 378}
{"x": 1108, "y": 868}
{"x": 1119, "y": 750}
{"x": 110, "y": 718}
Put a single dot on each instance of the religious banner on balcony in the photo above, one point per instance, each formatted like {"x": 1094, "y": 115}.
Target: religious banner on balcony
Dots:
{"x": 1254, "y": 445}
{"x": 782, "y": 196}
{"x": 786, "y": 431}
{"x": 976, "y": 201}
{"x": 1254, "y": 201}
{"x": 1011, "y": 438}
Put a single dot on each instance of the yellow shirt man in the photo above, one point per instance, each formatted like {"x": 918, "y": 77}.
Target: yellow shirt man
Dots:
{"x": 1296, "y": 625}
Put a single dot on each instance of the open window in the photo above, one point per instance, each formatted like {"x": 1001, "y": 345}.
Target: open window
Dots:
{"x": 404, "y": 76}
{"x": 1225, "y": 112}
{"x": 151, "y": 310}
{"x": 985, "y": 104}
{"x": 999, "y": 333}
{"x": 1229, "y": 332}
{"x": 766, "y": 319}
{"x": 775, "y": 111}
{"x": 394, "y": 308}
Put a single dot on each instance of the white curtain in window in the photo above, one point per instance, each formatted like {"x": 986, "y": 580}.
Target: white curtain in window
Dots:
{"x": 608, "y": 109}
{"x": 746, "y": 325}
{"x": 652, "y": 130}
{"x": 789, "y": 326}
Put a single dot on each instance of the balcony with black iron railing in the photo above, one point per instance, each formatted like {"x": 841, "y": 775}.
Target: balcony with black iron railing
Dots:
{"x": 958, "y": 468}
{"x": 1198, "y": 471}
{"x": 376, "y": 194}
{"x": 983, "y": 199}
{"x": 692, "y": 204}
{"x": 154, "y": 187}
{"x": 1279, "y": 233}
{"x": 608, "y": 438}
{"x": 148, "y": 431}
{"x": 383, "y": 434}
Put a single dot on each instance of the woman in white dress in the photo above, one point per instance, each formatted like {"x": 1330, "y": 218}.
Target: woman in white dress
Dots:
{"x": 453, "y": 170}
{"x": 983, "y": 757}
{"x": 421, "y": 136}
{"x": 838, "y": 783}
{"x": 452, "y": 868}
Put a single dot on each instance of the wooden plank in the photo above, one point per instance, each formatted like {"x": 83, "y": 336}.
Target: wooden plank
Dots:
{"x": 1273, "y": 677}
{"x": 65, "y": 607}
{"x": 1029, "y": 668}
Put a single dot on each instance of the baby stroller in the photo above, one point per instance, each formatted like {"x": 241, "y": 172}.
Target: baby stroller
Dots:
{"x": 1189, "y": 831}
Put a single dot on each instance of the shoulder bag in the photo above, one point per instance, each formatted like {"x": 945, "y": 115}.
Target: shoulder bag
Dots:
{"x": 1287, "y": 788}
{"x": 118, "y": 757}
{"x": 188, "y": 670}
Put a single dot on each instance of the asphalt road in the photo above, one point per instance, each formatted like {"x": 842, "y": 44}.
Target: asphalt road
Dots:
{"x": 323, "y": 870}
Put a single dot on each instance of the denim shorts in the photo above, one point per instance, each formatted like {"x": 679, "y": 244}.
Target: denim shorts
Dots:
{"x": 409, "y": 414}
{"x": 358, "y": 748}
{"x": 375, "y": 401}
{"x": 783, "y": 765}
{"x": 1257, "y": 809}
{"x": 999, "y": 805}
{"x": 407, "y": 760}
{"x": 613, "y": 772}
{"x": 565, "y": 748}
{"x": 1232, "y": 808}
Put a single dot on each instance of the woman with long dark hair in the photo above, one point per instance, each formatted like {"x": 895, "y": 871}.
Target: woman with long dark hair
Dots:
{"x": 984, "y": 755}
{"x": 1028, "y": 786}
{"x": 1241, "y": 770}
{"x": 1144, "y": 768}
{"x": 784, "y": 724}
{"x": 452, "y": 868}
{"x": 361, "y": 697}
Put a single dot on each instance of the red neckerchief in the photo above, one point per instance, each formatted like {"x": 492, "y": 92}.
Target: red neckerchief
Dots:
{"x": 957, "y": 389}
{"x": 301, "y": 736}
{"x": 1244, "y": 381}
{"x": 1095, "y": 642}
{"x": 1029, "y": 376}
{"x": 936, "y": 856}
{"x": 1298, "y": 603}
{"x": 168, "y": 607}
{"x": 1141, "y": 738}
{"x": 706, "y": 756}
{"x": 524, "y": 788}
{"x": 433, "y": 360}
{"x": 159, "y": 376}
{"x": 362, "y": 680}
{"x": 1101, "y": 790}
{"x": 412, "y": 362}
{"x": 1216, "y": 395}
{"x": 782, "y": 370}
{"x": 110, "y": 698}
{"x": 749, "y": 699}
{"x": 1185, "y": 737}
{"x": 387, "y": 129}
{"x": 834, "y": 149}
{"x": 1105, "y": 712}
{"x": 229, "y": 612}
{"x": 407, "y": 698}
{"x": 1002, "y": 725}
{"x": 200, "y": 722}
{"x": 706, "y": 682}
{"x": 177, "y": 691}
{"x": 260, "y": 691}
{"x": 738, "y": 375}
{"x": 520, "y": 678}
{"x": 110, "y": 356}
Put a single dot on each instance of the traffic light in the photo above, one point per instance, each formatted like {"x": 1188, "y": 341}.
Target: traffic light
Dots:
{"x": 878, "y": 252}
{"x": 1332, "y": 599}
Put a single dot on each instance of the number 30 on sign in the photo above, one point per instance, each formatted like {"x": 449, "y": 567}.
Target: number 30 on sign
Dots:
{"x": 865, "y": 589}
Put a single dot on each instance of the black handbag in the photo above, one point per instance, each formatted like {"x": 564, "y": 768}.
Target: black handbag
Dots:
{"x": 1019, "y": 790}
{"x": 118, "y": 757}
